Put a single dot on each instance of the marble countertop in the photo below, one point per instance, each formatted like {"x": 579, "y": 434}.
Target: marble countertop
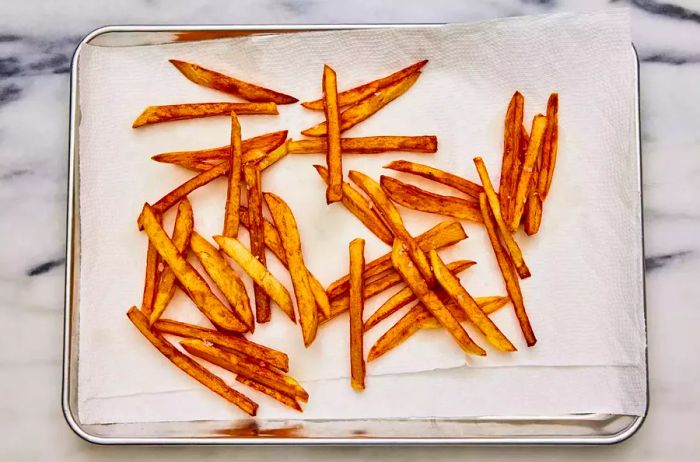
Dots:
{"x": 37, "y": 40}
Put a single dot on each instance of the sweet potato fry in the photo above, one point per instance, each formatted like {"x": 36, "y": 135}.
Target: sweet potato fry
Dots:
{"x": 356, "y": 94}
{"x": 487, "y": 304}
{"x": 550, "y": 142}
{"x": 368, "y": 145}
{"x": 157, "y": 114}
{"x": 236, "y": 343}
{"x": 533, "y": 212}
{"x": 443, "y": 234}
{"x": 393, "y": 220}
{"x": 334, "y": 160}
{"x": 189, "y": 279}
{"x": 257, "y": 271}
{"x": 150, "y": 282}
{"x": 539, "y": 124}
{"x": 271, "y": 158}
{"x": 271, "y": 392}
{"x": 509, "y": 275}
{"x": 406, "y": 296}
{"x": 415, "y": 198}
{"x": 512, "y": 246}
{"x": 401, "y": 261}
{"x": 239, "y": 88}
{"x": 464, "y": 300}
{"x": 363, "y": 109}
{"x": 357, "y": 303}
{"x": 439, "y": 176}
{"x": 184, "y": 223}
{"x": 510, "y": 170}
{"x": 224, "y": 277}
{"x": 289, "y": 235}
{"x": 233, "y": 194}
{"x": 359, "y": 206}
{"x": 238, "y": 365}
{"x": 189, "y": 366}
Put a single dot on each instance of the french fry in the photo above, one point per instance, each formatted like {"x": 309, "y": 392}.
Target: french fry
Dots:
{"x": 539, "y": 124}
{"x": 257, "y": 271}
{"x": 532, "y": 214}
{"x": 415, "y": 198}
{"x": 257, "y": 237}
{"x": 234, "y": 363}
{"x": 439, "y": 176}
{"x": 419, "y": 318}
{"x": 487, "y": 304}
{"x": 189, "y": 366}
{"x": 334, "y": 160}
{"x": 393, "y": 220}
{"x": 289, "y": 234}
{"x": 224, "y": 277}
{"x": 464, "y": 300}
{"x": 158, "y": 114}
{"x": 509, "y": 275}
{"x": 510, "y": 170}
{"x": 189, "y": 279}
{"x": 233, "y": 194}
{"x": 150, "y": 282}
{"x": 401, "y": 261}
{"x": 550, "y": 142}
{"x": 274, "y": 156}
{"x": 368, "y": 145}
{"x": 512, "y": 246}
{"x": 443, "y": 234}
{"x": 221, "y": 82}
{"x": 271, "y": 392}
{"x": 360, "y": 207}
{"x": 267, "y": 355}
{"x": 184, "y": 223}
{"x": 363, "y": 109}
{"x": 357, "y": 302}
{"x": 356, "y": 94}
{"x": 405, "y": 296}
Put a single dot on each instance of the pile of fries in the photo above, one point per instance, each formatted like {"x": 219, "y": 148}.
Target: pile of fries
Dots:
{"x": 441, "y": 300}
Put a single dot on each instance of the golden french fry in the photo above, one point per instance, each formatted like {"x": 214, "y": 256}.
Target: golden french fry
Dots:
{"x": 189, "y": 366}
{"x": 512, "y": 246}
{"x": 439, "y": 176}
{"x": 221, "y": 82}
{"x": 356, "y": 94}
{"x": 415, "y": 198}
{"x": 550, "y": 142}
{"x": 357, "y": 303}
{"x": 539, "y": 124}
{"x": 289, "y": 235}
{"x": 533, "y": 213}
{"x": 233, "y": 194}
{"x": 368, "y": 145}
{"x": 487, "y": 304}
{"x": 510, "y": 165}
{"x": 334, "y": 160}
{"x": 509, "y": 275}
{"x": 191, "y": 281}
{"x": 274, "y": 155}
{"x": 157, "y": 114}
{"x": 257, "y": 271}
{"x": 184, "y": 223}
{"x": 363, "y": 109}
{"x": 271, "y": 392}
{"x": 150, "y": 283}
{"x": 257, "y": 237}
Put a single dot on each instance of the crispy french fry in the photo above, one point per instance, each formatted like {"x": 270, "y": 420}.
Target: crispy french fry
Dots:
{"x": 334, "y": 160}
{"x": 415, "y": 198}
{"x": 236, "y": 364}
{"x": 368, "y": 145}
{"x": 401, "y": 261}
{"x": 189, "y": 366}
{"x": 539, "y": 124}
{"x": 465, "y": 301}
{"x": 233, "y": 194}
{"x": 487, "y": 304}
{"x": 150, "y": 283}
{"x": 157, "y": 114}
{"x": 257, "y": 271}
{"x": 550, "y": 142}
{"x": 289, "y": 235}
{"x": 405, "y": 296}
{"x": 392, "y": 219}
{"x": 257, "y": 237}
{"x": 533, "y": 214}
{"x": 184, "y": 223}
{"x": 356, "y": 94}
{"x": 360, "y": 207}
{"x": 443, "y": 234}
{"x": 271, "y": 392}
{"x": 512, "y": 246}
{"x": 189, "y": 279}
{"x": 227, "y": 84}
{"x": 225, "y": 278}
{"x": 509, "y": 275}
{"x": 439, "y": 176}
{"x": 363, "y": 109}
{"x": 510, "y": 170}
{"x": 274, "y": 156}
{"x": 357, "y": 302}
{"x": 267, "y": 355}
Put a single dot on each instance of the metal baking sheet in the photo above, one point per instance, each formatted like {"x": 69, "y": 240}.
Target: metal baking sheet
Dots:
{"x": 562, "y": 429}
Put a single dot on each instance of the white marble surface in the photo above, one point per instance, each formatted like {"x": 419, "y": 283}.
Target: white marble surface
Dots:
{"x": 36, "y": 42}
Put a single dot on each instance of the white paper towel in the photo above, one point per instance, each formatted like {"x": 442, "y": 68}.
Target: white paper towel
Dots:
{"x": 584, "y": 297}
